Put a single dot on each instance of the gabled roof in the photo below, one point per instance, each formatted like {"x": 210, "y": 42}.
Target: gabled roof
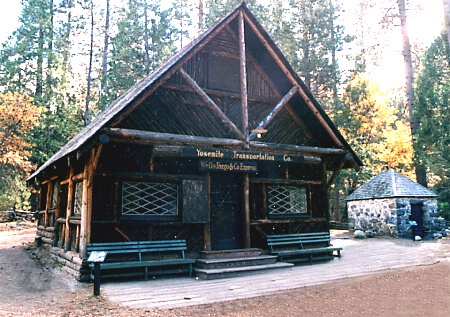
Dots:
{"x": 165, "y": 102}
{"x": 390, "y": 184}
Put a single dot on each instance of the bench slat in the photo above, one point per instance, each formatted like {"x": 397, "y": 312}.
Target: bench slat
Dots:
{"x": 288, "y": 246}
{"x": 140, "y": 248}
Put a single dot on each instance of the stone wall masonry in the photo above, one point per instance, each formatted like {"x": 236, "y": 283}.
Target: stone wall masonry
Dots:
{"x": 377, "y": 216}
{"x": 390, "y": 216}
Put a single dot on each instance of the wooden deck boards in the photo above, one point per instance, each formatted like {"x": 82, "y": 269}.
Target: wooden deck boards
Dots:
{"x": 360, "y": 257}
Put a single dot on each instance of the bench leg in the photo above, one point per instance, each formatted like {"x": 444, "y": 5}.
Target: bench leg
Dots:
{"x": 146, "y": 273}
{"x": 190, "y": 269}
{"x": 96, "y": 278}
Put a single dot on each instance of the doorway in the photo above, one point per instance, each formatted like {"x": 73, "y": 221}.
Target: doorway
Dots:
{"x": 417, "y": 216}
{"x": 226, "y": 211}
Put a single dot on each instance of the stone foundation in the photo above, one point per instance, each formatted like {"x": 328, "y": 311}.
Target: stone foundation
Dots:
{"x": 70, "y": 261}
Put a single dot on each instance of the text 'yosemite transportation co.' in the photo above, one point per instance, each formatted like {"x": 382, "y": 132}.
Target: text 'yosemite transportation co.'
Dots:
{"x": 207, "y": 153}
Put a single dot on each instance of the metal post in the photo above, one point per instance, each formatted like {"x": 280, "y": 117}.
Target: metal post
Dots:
{"x": 96, "y": 278}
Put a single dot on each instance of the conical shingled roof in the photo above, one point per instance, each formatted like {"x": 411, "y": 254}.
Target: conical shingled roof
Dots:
{"x": 390, "y": 184}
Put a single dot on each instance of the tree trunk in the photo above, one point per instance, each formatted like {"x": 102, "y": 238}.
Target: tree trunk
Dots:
{"x": 40, "y": 64}
{"x": 68, "y": 30}
{"x": 447, "y": 18}
{"x": 409, "y": 74}
{"x": 49, "y": 78}
{"x": 104, "y": 82}
{"x": 91, "y": 53}
{"x": 146, "y": 41}
{"x": 336, "y": 207}
{"x": 200, "y": 16}
{"x": 409, "y": 70}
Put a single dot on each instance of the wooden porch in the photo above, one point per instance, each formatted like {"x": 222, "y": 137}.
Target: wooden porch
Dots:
{"x": 362, "y": 257}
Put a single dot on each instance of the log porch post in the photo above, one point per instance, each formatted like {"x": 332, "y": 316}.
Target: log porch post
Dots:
{"x": 86, "y": 210}
{"x": 69, "y": 209}
{"x": 247, "y": 210}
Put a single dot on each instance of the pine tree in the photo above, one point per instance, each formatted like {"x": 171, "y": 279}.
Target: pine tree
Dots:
{"x": 35, "y": 61}
{"x": 145, "y": 38}
{"x": 105, "y": 53}
{"x": 432, "y": 109}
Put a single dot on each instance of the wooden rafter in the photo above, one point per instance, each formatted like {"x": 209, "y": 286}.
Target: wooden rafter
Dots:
{"x": 145, "y": 94}
{"x": 211, "y": 104}
{"x": 269, "y": 82}
{"x": 320, "y": 118}
{"x": 293, "y": 81}
{"x": 243, "y": 75}
{"x": 218, "y": 93}
{"x": 263, "y": 124}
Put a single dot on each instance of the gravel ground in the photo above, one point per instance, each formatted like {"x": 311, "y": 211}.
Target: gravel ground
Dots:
{"x": 32, "y": 285}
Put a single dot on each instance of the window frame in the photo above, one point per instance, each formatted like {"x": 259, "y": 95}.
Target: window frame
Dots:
{"x": 153, "y": 217}
{"x": 304, "y": 210}
{"x": 77, "y": 194}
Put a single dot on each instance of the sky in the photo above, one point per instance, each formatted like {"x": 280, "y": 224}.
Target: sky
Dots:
{"x": 423, "y": 28}
{"x": 424, "y": 24}
{"x": 9, "y": 18}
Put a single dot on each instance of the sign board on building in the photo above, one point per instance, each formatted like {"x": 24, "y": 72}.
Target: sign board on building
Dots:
{"x": 225, "y": 154}
{"x": 228, "y": 166}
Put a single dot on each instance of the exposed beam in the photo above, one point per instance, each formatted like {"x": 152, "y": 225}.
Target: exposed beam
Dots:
{"x": 297, "y": 148}
{"x": 272, "y": 52}
{"x": 269, "y": 82}
{"x": 319, "y": 117}
{"x": 147, "y": 137}
{"x": 211, "y": 104}
{"x": 263, "y": 124}
{"x": 151, "y": 138}
{"x": 243, "y": 75}
{"x": 172, "y": 69}
{"x": 294, "y": 82}
{"x": 336, "y": 172}
{"x": 218, "y": 93}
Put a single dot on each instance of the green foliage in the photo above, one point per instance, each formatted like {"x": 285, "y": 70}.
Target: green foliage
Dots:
{"x": 145, "y": 38}
{"x": 22, "y": 56}
{"x": 374, "y": 129}
{"x": 307, "y": 33}
{"x": 444, "y": 210}
{"x": 13, "y": 191}
{"x": 53, "y": 131}
{"x": 432, "y": 110}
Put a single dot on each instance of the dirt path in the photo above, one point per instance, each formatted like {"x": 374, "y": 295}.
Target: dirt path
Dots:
{"x": 30, "y": 288}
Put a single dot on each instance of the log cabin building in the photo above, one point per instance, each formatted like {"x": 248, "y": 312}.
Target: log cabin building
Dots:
{"x": 221, "y": 145}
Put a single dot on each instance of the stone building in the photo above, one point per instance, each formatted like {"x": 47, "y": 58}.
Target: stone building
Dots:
{"x": 392, "y": 204}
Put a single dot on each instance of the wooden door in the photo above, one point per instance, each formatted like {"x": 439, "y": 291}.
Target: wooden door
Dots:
{"x": 226, "y": 211}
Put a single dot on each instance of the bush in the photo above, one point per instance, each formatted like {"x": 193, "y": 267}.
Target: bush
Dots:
{"x": 444, "y": 210}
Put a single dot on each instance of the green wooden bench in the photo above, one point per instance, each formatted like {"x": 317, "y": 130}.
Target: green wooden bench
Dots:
{"x": 302, "y": 247}
{"x": 139, "y": 258}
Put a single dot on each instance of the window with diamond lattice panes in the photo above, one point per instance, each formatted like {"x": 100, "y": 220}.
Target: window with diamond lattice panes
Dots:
{"x": 149, "y": 199}
{"x": 287, "y": 201}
